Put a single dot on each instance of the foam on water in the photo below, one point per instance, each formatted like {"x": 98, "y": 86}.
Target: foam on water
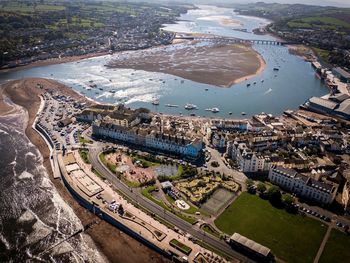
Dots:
{"x": 25, "y": 175}
{"x": 33, "y": 215}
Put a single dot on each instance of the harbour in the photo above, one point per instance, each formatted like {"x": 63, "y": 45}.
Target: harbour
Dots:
{"x": 274, "y": 91}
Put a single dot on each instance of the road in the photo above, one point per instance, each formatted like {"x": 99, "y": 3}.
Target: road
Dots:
{"x": 195, "y": 231}
{"x": 237, "y": 176}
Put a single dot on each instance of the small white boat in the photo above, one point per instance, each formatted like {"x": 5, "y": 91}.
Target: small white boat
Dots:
{"x": 155, "y": 102}
{"x": 190, "y": 106}
{"x": 171, "y": 105}
{"x": 243, "y": 113}
{"x": 215, "y": 110}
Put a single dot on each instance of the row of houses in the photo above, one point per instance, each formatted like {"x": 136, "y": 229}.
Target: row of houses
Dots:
{"x": 304, "y": 186}
{"x": 140, "y": 128}
{"x": 149, "y": 138}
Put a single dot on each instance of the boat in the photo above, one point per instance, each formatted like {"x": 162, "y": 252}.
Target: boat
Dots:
{"x": 171, "y": 105}
{"x": 190, "y": 106}
{"x": 243, "y": 113}
{"x": 248, "y": 85}
{"x": 215, "y": 110}
{"x": 206, "y": 89}
{"x": 155, "y": 102}
{"x": 254, "y": 82}
{"x": 276, "y": 69}
{"x": 230, "y": 113}
{"x": 262, "y": 80}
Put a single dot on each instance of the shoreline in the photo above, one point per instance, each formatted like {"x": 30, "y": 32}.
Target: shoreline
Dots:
{"x": 110, "y": 241}
{"x": 257, "y": 73}
{"x": 52, "y": 61}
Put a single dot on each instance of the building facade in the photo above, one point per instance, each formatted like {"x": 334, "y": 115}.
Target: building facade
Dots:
{"x": 302, "y": 185}
{"x": 247, "y": 160}
{"x": 153, "y": 140}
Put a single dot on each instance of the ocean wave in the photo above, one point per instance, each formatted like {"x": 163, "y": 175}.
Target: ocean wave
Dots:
{"x": 25, "y": 175}
{"x": 5, "y": 242}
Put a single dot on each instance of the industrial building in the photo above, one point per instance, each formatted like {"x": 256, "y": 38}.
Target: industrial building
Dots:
{"x": 341, "y": 74}
{"x": 337, "y": 105}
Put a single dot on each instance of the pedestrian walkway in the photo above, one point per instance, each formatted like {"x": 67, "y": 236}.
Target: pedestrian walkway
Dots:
{"x": 323, "y": 243}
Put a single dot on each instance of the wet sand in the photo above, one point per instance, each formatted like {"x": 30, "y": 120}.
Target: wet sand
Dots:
{"x": 114, "y": 244}
{"x": 213, "y": 62}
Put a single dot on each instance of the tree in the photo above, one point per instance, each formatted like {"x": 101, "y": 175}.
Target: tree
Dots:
{"x": 249, "y": 182}
{"x": 274, "y": 195}
{"x": 288, "y": 202}
{"x": 261, "y": 188}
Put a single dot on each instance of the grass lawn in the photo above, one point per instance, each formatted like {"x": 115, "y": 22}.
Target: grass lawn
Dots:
{"x": 82, "y": 139}
{"x": 146, "y": 192}
{"x": 180, "y": 246}
{"x": 292, "y": 238}
{"x": 211, "y": 231}
{"x": 337, "y": 248}
{"x": 84, "y": 155}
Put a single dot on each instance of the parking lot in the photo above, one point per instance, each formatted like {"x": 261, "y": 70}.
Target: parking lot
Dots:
{"x": 57, "y": 120}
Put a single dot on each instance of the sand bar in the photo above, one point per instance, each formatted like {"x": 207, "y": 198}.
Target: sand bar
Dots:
{"x": 215, "y": 61}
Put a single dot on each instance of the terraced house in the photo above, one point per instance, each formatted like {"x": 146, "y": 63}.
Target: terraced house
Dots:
{"x": 322, "y": 192}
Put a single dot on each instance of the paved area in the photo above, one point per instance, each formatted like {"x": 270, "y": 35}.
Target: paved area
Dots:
{"x": 323, "y": 243}
{"x": 159, "y": 211}
{"x": 237, "y": 176}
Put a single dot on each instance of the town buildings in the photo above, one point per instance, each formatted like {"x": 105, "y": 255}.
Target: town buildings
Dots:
{"x": 304, "y": 186}
{"x": 247, "y": 160}
{"x": 138, "y": 127}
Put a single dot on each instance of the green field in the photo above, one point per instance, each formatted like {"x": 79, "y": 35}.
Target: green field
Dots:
{"x": 292, "y": 238}
{"x": 337, "y": 248}
{"x": 30, "y": 8}
{"x": 323, "y": 22}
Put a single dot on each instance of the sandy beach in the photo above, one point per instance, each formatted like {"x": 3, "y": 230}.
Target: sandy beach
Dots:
{"x": 218, "y": 63}
{"x": 114, "y": 244}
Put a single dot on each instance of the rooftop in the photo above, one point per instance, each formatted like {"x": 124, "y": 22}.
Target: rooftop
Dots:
{"x": 250, "y": 244}
{"x": 323, "y": 102}
{"x": 342, "y": 72}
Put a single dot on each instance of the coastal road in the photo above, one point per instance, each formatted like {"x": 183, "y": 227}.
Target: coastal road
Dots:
{"x": 162, "y": 213}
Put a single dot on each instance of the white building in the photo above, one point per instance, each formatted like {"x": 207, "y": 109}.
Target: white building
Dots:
{"x": 247, "y": 160}
{"x": 302, "y": 185}
{"x": 148, "y": 138}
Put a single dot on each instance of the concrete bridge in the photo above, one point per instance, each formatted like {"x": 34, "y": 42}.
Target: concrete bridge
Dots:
{"x": 236, "y": 40}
